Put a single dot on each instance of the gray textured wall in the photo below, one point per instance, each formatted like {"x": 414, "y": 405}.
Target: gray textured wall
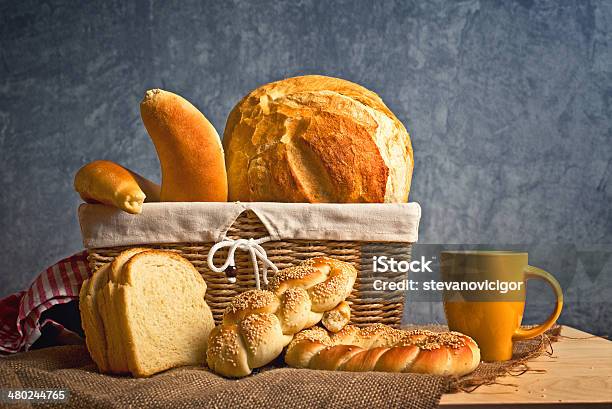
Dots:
{"x": 508, "y": 104}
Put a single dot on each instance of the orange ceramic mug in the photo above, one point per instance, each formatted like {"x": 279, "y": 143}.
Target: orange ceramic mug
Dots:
{"x": 475, "y": 302}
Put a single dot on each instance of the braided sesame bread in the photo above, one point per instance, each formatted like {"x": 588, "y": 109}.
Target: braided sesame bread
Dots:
{"x": 258, "y": 324}
{"x": 385, "y": 349}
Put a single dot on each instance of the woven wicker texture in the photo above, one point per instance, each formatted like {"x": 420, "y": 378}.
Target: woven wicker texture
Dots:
{"x": 367, "y": 306}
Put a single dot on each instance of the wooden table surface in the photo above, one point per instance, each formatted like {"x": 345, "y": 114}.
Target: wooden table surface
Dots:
{"x": 578, "y": 374}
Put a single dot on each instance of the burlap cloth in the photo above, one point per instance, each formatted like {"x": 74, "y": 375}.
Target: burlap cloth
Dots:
{"x": 69, "y": 367}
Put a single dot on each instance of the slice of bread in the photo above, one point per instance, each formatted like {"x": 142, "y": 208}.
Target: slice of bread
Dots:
{"x": 163, "y": 318}
{"x": 145, "y": 312}
{"x": 93, "y": 326}
{"x": 107, "y": 306}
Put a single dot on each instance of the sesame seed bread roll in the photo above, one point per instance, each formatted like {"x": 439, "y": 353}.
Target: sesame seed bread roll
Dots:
{"x": 188, "y": 146}
{"x": 384, "y": 349}
{"x": 258, "y": 324}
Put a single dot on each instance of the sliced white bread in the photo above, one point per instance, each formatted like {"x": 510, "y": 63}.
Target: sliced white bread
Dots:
{"x": 163, "y": 317}
{"x": 109, "y": 312}
{"x": 93, "y": 326}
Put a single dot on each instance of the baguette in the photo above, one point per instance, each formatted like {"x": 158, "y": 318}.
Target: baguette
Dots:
{"x": 188, "y": 146}
{"x": 106, "y": 182}
{"x": 385, "y": 349}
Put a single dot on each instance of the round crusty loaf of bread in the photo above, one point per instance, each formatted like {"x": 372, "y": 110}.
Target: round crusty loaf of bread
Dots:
{"x": 385, "y": 349}
{"x": 316, "y": 139}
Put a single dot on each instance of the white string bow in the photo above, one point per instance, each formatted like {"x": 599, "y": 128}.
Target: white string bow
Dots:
{"x": 254, "y": 248}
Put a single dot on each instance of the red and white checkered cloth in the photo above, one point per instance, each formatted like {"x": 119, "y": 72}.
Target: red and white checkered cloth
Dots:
{"x": 20, "y": 324}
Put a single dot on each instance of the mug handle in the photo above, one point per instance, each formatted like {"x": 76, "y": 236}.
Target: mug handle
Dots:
{"x": 526, "y": 333}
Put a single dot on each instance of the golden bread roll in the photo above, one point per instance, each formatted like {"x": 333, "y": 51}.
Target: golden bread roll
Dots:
{"x": 103, "y": 181}
{"x": 188, "y": 146}
{"x": 385, "y": 349}
{"x": 316, "y": 139}
{"x": 258, "y": 324}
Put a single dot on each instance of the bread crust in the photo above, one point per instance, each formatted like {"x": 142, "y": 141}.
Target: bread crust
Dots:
{"x": 383, "y": 348}
{"x": 110, "y": 312}
{"x": 316, "y": 139}
{"x": 91, "y": 320}
{"x": 188, "y": 146}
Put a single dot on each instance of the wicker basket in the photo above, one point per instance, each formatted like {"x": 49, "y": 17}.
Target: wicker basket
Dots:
{"x": 367, "y": 306}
